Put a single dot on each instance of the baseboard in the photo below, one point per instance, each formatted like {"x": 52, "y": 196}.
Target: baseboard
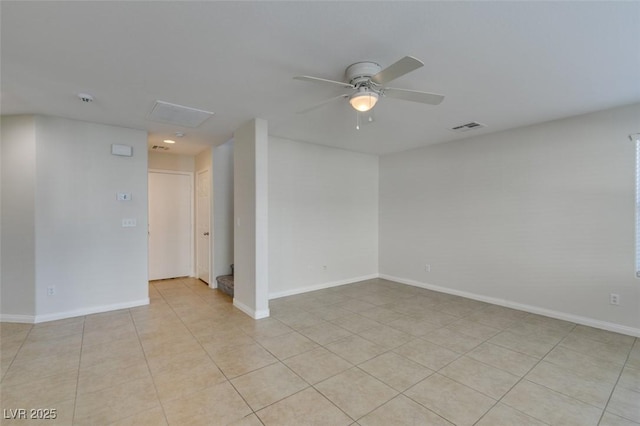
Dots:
{"x": 75, "y": 313}
{"x": 251, "y": 312}
{"x": 25, "y": 319}
{"x": 604, "y": 325}
{"x": 321, "y": 286}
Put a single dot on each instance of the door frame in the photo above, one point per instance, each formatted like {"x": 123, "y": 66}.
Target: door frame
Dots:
{"x": 191, "y": 218}
{"x": 212, "y": 283}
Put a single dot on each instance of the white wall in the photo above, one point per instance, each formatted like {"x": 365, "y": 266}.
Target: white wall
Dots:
{"x": 250, "y": 162}
{"x": 80, "y": 245}
{"x": 203, "y": 160}
{"x": 541, "y": 216}
{"x": 176, "y": 162}
{"x": 82, "y": 248}
{"x": 323, "y": 212}
{"x": 17, "y": 269}
{"x": 223, "y": 208}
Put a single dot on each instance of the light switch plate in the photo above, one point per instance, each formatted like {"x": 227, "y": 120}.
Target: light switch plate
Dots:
{"x": 129, "y": 223}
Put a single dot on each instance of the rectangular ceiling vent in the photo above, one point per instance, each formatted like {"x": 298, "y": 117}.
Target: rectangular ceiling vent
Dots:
{"x": 160, "y": 148}
{"x": 468, "y": 126}
{"x": 164, "y": 112}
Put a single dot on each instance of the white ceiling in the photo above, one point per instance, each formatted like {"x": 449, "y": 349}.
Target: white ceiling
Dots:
{"x": 504, "y": 64}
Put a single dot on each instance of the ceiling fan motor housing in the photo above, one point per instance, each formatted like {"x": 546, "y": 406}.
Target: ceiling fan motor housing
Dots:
{"x": 360, "y": 73}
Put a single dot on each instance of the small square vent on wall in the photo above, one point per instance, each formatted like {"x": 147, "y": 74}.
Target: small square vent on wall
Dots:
{"x": 468, "y": 126}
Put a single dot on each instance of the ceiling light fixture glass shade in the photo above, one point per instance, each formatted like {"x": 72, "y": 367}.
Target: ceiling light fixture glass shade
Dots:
{"x": 363, "y": 100}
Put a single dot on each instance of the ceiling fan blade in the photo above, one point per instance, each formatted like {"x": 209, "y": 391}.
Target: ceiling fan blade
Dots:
{"x": 324, "y": 80}
{"x": 326, "y": 101}
{"x": 413, "y": 96}
{"x": 397, "y": 69}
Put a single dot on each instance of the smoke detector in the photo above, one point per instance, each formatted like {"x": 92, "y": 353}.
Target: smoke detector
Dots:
{"x": 85, "y": 97}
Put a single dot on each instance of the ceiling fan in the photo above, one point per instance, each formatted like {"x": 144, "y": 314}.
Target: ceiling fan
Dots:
{"x": 367, "y": 81}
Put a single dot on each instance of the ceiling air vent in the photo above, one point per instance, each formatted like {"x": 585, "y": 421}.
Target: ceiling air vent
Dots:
{"x": 160, "y": 148}
{"x": 468, "y": 126}
{"x": 164, "y": 112}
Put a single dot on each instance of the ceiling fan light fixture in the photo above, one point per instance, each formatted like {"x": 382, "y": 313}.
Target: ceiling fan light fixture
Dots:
{"x": 363, "y": 100}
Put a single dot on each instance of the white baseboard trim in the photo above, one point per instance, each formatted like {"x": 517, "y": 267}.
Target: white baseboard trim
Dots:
{"x": 71, "y": 314}
{"x": 251, "y": 312}
{"x": 604, "y": 325}
{"x": 279, "y": 294}
{"x": 24, "y": 319}
{"x": 92, "y": 310}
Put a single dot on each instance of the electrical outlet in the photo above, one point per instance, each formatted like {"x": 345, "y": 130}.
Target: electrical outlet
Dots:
{"x": 614, "y": 299}
{"x": 427, "y": 268}
{"x": 51, "y": 290}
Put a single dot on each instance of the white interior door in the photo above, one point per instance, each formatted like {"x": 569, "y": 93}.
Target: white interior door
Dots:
{"x": 203, "y": 225}
{"x": 170, "y": 225}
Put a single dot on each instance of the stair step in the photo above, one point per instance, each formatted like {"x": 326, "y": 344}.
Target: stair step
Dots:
{"x": 225, "y": 284}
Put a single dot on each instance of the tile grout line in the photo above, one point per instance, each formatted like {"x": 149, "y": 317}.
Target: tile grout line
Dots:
{"x": 572, "y": 397}
{"x": 525, "y": 375}
{"x": 17, "y": 352}
{"x": 390, "y": 350}
{"x": 190, "y": 300}
{"x": 513, "y": 322}
{"x": 464, "y": 354}
{"x": 483, "y": 341}
{"x": 327, "y": 378}
{"x": 75, "y": 399}
{"x": 556, "y": 391}
{"x": 214, "y": 363}
{"x": 399, "y": 393}
{"x": 286, "y": 366}
{"x": 604, "y": 410}
{"x": 144, "y": 353}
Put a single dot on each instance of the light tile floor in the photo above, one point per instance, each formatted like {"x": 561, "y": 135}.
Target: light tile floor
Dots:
{"x": 370, "y": 353}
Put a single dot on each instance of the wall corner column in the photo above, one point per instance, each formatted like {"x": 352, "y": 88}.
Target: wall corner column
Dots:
{"x": 251, "y": 221}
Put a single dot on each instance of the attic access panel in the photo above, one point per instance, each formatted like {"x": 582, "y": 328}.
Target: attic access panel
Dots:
{"x": 165, "y": 112}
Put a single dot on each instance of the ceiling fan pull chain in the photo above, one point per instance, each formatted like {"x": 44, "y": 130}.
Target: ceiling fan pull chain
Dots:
{"x": 357, "y": 120}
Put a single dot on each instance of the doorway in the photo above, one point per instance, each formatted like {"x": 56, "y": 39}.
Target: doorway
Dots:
{"x": 203, "y": 225}
{"x": 170, "y": 224}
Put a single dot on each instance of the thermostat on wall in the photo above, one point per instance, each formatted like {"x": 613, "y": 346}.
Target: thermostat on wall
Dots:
{"x": 122, "y": 150}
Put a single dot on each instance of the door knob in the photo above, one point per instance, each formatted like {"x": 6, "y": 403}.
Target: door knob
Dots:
{"x": 206, "y": 234}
